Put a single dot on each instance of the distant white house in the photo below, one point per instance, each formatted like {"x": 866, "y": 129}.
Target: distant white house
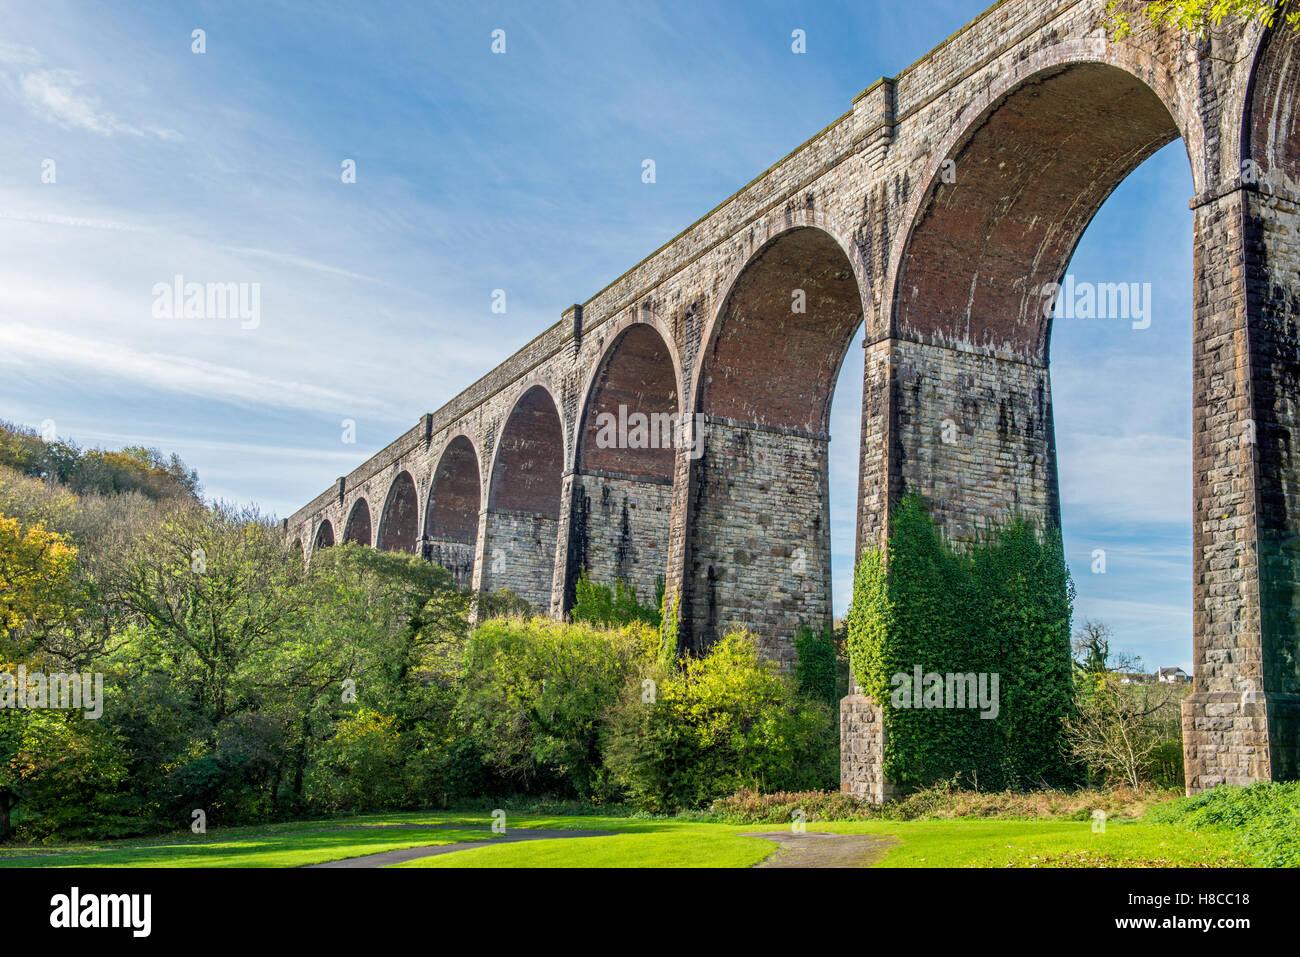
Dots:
{"x": 1136, "y": 678}
{"x": 1173, "y": 676}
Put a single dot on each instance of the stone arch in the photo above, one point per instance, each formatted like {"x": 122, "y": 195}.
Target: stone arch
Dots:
{"x": 1141, "y": 67}
{"x": 626, "y": 451}
{"x": 357, "y": 528}
{"x": 613, "y": 332}
{"x": 399, "y": 523}
{"x": 769, "y": 231}
{"x": 978, "y": 272}
{"x": 758, "y": 532}
{"x": 1029, "y": 174}
{"x": 452, "y": 515}
{"x": 524, "y": 498}
{"x": 324, "y": 536}
{"x": 767, "y": 364}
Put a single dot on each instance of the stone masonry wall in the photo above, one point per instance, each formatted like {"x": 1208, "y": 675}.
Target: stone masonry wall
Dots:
{"x": 862, "y": 750}
{"x": 762, "y": 556}
{"x": 623, "y": 534}
{"x": 974, "y": 435}
{"x": 519, "y": 554}
{"x": 456, "y": 557}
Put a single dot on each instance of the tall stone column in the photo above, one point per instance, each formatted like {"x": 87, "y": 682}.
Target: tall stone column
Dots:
{"x": 1241, "y": 724}
{"x": 759, "y": 551}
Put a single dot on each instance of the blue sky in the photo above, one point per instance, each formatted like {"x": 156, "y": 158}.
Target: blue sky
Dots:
{"x": 477, "y": 172}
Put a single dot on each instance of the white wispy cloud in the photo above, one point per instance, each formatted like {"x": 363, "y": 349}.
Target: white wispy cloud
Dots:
{"x": 63, "y": 97}
{"x": 15, "y": 54}
{"x": 300, "y": 262}
{"x": 170, "y": 373}
{"x": 1132, "y": 479}
{"x": 80, "y": 222}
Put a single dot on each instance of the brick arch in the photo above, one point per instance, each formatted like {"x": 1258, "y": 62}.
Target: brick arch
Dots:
{"x": 638, "y": 371}
{"x": 399, "y": 523}
{"x": 758, "y": 530}
{"x": 525, "y": 492}
{"x": 452, "y": 515}
{"x": 528, "y": 461}
{"x": 324, "y": 536}
{"x": 811, "y": 252}
{"x": 358, "y": 528}
{"x": 1031, "y": 171}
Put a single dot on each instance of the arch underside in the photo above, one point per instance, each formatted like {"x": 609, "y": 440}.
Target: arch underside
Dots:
{"x": 324, "y": 536}
{"x": 357, "y": 528}
{"x": 399, "y": 525}
{"x": 758, "y": 550}
{"x": 987, "y": 247}
{"x": 452, "y": 518}
{"x": 524, "y": 498}
{"x": 622, "y": 490}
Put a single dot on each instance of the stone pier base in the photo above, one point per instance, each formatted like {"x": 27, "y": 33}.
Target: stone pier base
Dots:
{"x": 1240, "y": 738}
{"x": 862, "y": 751}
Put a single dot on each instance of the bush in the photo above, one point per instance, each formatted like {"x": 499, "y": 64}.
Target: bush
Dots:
{"x": 596, "y": 604}
{"x": 535, "y": 694}
{"x": 1127, "y": 733}
{"x": 816, "y": 670}
{"x": 1265, "y": 818}
{"x": 502, "y": 603}
{"x": 359, "y": 767}
{"x": 714, "y": 725}
{"x": 69, "y": 773}
{"x": 942, "y": 801}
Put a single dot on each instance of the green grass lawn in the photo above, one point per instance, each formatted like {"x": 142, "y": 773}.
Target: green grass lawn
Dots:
{"x": 968, "y": 842}
{"x": 285, "y": 846}
{"x": 647, "y": 844}
{"x": 945, "y": 843}
{"x": 1049, "y": 843}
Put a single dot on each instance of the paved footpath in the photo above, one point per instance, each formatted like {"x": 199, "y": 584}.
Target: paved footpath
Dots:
{"x": 815, "y": 849}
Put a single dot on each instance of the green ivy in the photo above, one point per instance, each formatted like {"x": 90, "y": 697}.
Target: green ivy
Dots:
{"x": 999, "y": 607}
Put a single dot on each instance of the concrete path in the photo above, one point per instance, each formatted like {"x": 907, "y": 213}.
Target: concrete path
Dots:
{"x": 815, "y": 849}
{"x": 386, "y": 858}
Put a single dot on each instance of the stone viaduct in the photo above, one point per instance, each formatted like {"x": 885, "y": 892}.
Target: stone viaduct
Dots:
{"x": 923, "y": 226}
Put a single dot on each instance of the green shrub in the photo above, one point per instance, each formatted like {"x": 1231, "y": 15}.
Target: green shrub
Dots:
{"x": 534, "y": 695}
{"x": 711, "y": 726}
{"x": 502, "y": 603}
{"x": 1264, "y": 817}
{"x": 942, "y": 801}
{"x": 597, "y": 604}
{"x": 359, "y": 767}
{"x": 816, "y": 670}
